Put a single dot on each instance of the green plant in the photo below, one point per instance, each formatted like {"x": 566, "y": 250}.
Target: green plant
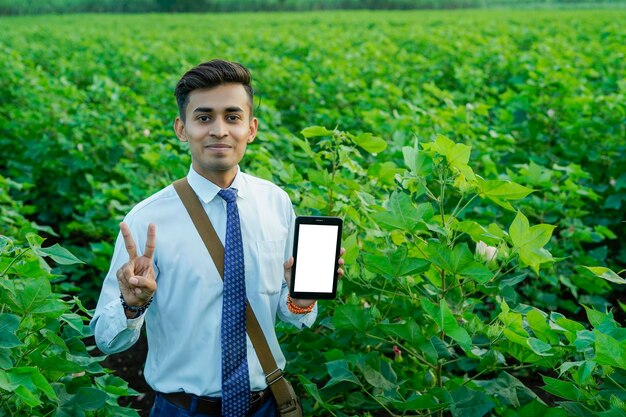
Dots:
{"x": 45, "y": 368}
{"x": 433, "y": 319}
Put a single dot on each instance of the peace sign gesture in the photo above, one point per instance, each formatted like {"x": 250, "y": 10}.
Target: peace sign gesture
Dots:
{"x": 136, "y": 277}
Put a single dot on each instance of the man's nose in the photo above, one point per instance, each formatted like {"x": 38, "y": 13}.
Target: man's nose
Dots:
{"x": 219, "y": 129}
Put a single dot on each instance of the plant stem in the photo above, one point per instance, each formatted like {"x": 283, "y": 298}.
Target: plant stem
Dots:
{"x": 381, "y": 404}
{"x": 456, "y": 214}
{"x": 12, "y": 262}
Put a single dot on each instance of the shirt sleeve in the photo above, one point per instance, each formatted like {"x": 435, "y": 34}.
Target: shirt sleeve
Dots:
{"x": 298, "y": 320}
{"x": 113, "y": 332}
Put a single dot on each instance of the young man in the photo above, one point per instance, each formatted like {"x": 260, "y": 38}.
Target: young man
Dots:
{"x": 199, "y": 359}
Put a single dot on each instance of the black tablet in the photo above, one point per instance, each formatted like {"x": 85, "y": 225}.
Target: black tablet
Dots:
{"x": 316, "y": 245}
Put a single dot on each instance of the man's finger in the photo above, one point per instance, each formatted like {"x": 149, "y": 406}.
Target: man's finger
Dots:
{"x": 150, "y": 242}
{"x": 125, "y": 272}
{"x": 142, "y": 282}
{"x": 287, "y": 265}
{"x": 131, "y": 248}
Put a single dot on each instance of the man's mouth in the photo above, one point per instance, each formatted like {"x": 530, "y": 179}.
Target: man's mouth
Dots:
{"x": 218, "y": 146}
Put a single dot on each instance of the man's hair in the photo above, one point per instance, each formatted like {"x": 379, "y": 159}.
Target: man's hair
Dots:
{"x": 212, "y": 74}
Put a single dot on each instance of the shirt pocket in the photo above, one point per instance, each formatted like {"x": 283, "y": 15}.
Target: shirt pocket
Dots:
{"x": 270, "y": 265}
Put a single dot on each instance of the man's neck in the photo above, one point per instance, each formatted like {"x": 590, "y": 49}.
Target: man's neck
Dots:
{"x": 222, "y": 179}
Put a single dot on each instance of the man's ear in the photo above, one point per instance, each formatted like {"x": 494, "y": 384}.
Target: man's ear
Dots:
{"x": 179, "y": 128}
{"x": 254, "y": 126}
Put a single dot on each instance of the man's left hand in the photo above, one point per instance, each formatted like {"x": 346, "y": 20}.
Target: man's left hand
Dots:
{"x": 307, "y": 303}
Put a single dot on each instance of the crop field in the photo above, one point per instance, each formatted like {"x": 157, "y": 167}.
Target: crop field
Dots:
{"x": 476, "y": 157}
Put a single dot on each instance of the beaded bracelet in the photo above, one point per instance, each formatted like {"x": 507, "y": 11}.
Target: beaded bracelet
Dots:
{"x": 138, "y": 310}
{"x": 295, "y": 309}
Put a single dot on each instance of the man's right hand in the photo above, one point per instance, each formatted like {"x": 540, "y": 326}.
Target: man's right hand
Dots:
{"x": 136, "y": 277}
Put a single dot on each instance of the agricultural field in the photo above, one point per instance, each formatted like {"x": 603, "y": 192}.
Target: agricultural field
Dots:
{"x": 476, "y": 157}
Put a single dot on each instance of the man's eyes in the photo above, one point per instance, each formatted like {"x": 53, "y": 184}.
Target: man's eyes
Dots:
{"x": 230, "y": 118}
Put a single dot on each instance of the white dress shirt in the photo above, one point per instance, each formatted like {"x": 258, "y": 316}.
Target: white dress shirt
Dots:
{"x": 183, "y": 322}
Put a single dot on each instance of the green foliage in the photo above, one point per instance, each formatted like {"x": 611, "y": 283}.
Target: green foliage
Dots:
{"x": 145, "y": 6}
{"x": 45, "y": 368}
{"x": 427, "y": 323}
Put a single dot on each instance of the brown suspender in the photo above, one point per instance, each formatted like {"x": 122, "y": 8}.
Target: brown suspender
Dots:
{"x": 273, "y": 375}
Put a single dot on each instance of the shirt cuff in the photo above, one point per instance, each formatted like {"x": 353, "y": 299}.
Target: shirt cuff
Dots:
{"x": 308, "y": 319}
{"x": 117, "y": 321}
{"x": 298, "y": 320}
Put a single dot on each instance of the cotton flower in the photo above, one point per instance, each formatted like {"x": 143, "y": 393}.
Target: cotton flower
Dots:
{"x": 146, "y": 132}
{"x": 486, "y": 252}
{"x": 397, "y": 354}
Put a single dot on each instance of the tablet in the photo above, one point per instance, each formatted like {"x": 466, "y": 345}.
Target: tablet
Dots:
{"x": 316, "y": 245}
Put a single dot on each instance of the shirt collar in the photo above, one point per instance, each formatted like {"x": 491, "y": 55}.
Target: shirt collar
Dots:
{"x": 206, "y": 190}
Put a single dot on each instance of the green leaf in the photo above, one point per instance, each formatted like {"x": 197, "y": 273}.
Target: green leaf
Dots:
{"x": 409, "y": 331}
{"x": 314, "y": 131}
{"x": 539, "y": 347}
{"x": 34, "y": 293}
{"x": 352, "y": 249}
{"x": 113, "y": 385}
{"x": 468, "y": 403}
{"x": 507, "y": 389}
{"x": 5, "y": 384}
{"x": 30, "y": 381}
{"x": 609, "y": 351}
{"x": 504, "y": 190}
{"x": 419, "y": 402}
{"x": 446, "y": 322}
{"x": 605, "y": 273}
{"x": 90, "y": 399}
{"x": 396, "y": 264}
{"x": 34, "y": 241}
{"x": 8, "y": 326}
{"x": 402, "y": 214}
{"x": 536, "y": 409}
{"x": 529, "y": 241}
{"x": 477, "y": 232}
{"x": 5, "y": 360}
{"x": 312, "y": 390}
{"x": 420, "y": 164}
{"x": 370, "y": 143}
{"x": 458, "y": 261}
{"x": 340, "y": 372}
{"x": 562, "y": 389}
{"x": 457, "y": 155}
{"x": 59, "y": 254}
{"x": 27, "y": 397}
{"x": 614, "y": 411}
{"x": 595, "y": 317}
{"x": 540, "y": 327}
{"x": 351, "y": 317}
{"x": 376, "y": 378}
{"x": 75, "y": 321}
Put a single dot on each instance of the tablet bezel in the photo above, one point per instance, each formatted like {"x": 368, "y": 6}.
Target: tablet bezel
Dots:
{"x": 315, "y": 220}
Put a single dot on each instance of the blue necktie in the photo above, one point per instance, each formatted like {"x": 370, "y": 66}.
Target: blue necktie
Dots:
{"x": 235, "y": 378}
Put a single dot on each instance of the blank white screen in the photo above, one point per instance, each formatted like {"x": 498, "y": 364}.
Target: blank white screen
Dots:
{"x": 315, "y": 259}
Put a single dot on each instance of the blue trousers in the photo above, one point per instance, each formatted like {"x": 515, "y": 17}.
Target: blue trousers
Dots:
{"x": 164, "y": 408}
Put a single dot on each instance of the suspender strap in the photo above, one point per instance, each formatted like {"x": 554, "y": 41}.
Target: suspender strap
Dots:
{"x": 273, "y": 375}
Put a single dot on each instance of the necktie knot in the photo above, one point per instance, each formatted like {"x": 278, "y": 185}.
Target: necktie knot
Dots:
{"x": 228, "y": 194}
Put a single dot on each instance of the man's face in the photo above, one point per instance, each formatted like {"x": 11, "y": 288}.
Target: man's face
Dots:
{"x": 218, "y": 126}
